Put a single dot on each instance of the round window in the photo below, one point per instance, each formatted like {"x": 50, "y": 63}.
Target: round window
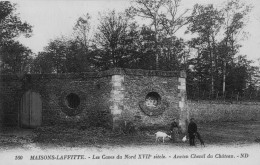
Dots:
{"x": 152, "y": 99}
{"x": 72, "y": 100}
{"x": 153, "y": 104}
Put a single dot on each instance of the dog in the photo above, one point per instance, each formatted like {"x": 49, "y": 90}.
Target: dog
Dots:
{"x": 161, "y": 135}
{"x": 200, "y": 139}
{"x": 184, "y": 139}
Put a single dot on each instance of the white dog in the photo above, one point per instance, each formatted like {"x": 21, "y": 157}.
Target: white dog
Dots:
{"x": 161, "y": 135}
{"x": 184, "y": 139}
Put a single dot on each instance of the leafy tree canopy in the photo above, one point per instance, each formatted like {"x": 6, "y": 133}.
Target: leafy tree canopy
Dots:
{"x": 11, "y": 25}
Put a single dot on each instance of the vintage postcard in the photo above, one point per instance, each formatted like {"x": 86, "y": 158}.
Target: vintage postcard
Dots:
{"x": 129, "y": 82}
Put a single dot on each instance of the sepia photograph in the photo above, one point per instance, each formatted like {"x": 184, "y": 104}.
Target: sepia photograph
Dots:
{"x": 130, "y": 82}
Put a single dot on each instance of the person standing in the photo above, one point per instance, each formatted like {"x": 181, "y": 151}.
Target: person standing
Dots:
{"x": 174, "y": 130}
{"x": 192, "y": 130}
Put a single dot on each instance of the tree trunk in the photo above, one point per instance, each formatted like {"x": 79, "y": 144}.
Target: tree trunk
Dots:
{"x": 224, "y": 76}
{"x": 156, "y": 48}
{"x": 211, "y": 66}
{"x": 225, "y": 69}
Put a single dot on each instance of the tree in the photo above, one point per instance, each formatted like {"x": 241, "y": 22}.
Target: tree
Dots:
{"x": 81, "y": 30}
{"x": 256, "y": 77}
{"x": 114, "y": 41}
{"x": 173, "y": 54}
{"x": 219, "y": 32}
{"x": 78, "y": 59}
{"x": 206, "y": 21}
{"x": 164, "y": 17}
{"x": 11, "y": 25}
{"x": 14, "y": 56}
{"x": 43, "y": 63}
{"x": 235, "y": 14}
{"x": 240, "y": 77}
{"x": 62, "y": 56}
{"x": 144, "y": 52}
{"x": 57, "y": 50}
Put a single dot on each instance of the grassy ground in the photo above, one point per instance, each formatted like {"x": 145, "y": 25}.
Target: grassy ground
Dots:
{"x": 231, "y": 132}
{"x": 212, "y": 133}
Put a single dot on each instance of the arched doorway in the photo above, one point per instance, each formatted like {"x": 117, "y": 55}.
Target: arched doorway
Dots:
{"x": 31, "y": 110}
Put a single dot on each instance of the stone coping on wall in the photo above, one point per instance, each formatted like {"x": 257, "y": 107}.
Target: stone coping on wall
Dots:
{"x": 110, "y": 72}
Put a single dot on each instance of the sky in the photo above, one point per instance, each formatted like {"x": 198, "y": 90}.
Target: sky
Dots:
{"x": 53, "y": 18}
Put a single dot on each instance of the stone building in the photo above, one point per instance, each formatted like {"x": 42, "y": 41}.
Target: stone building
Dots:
{"x": 111, "y": 97}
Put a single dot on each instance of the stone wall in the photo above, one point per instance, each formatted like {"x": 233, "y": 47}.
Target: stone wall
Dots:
{"x": 134, "y": 86}
{"x": 92, "y": 89}
{"x": 117, "y": 96}
{"x": 113, "y": 97}
{"x": 9, "y": 99}
{"x": 93, "y": 94}
{"x": 137, "y": 88}
{"x": 212, "y": 112}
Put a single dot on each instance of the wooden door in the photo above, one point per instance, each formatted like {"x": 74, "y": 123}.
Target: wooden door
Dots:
{"x": 31, "y": 110}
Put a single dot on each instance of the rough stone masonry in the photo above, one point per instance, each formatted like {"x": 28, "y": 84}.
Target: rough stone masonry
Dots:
{"x": 143, "y": 97}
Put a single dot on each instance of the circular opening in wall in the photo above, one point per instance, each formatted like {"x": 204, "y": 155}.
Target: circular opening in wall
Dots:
{"x": 152, "y": 99}
{"x": 72, "y": 100}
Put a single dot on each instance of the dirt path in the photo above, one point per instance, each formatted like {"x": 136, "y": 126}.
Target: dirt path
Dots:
{"x": 214, "y": 134}
{"x": 227, "y": 143}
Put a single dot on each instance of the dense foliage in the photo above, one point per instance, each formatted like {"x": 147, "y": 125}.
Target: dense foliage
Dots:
{"x": 211, "y": 57}
{"x": 14, "y": 57}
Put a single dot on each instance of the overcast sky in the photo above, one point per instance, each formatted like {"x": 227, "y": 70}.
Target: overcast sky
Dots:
{"x": 54, "y": 18}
